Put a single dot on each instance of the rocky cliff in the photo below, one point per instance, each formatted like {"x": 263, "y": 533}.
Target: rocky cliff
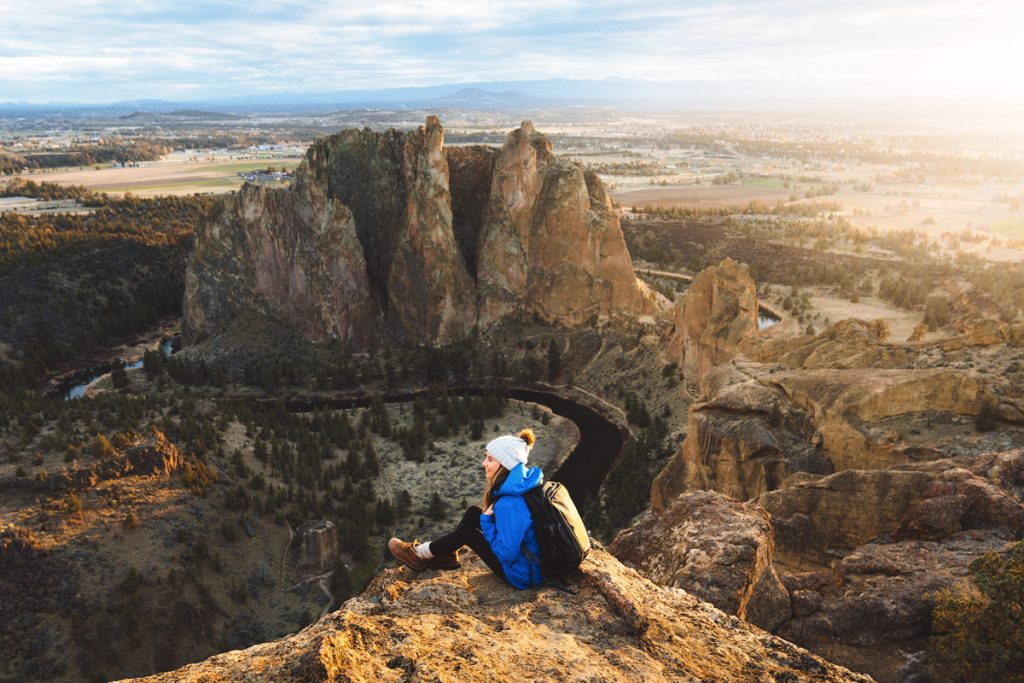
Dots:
{"x": 390, "y": 237}
{"x": 466, "y": 625}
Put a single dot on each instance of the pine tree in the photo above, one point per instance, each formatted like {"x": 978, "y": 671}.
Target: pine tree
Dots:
{"x": 437, "y": 507}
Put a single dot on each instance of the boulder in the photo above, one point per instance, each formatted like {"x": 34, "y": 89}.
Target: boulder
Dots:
{"x": 715, "y": 548}
{"x": 467, "y": 625}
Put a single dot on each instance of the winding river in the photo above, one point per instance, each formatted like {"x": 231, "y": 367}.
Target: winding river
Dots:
{"x": 603, "y": 433}
{"x": 602, "y": 438}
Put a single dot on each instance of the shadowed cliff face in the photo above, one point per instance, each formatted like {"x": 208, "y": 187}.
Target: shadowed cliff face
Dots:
{"x": 470, "y": 171}
{"x": 390, "y": 238}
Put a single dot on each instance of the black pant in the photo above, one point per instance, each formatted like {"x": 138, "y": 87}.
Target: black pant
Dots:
{"x": 468, "y": 533}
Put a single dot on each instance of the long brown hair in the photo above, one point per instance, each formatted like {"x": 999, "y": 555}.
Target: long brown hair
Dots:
{"x": 493, "y": 484}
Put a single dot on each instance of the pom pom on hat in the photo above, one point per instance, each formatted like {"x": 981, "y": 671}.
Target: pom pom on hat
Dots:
{"x": 512, "y": 450}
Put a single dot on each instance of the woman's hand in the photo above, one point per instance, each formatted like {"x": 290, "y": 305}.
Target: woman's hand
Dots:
{"x": 489, "y": 510}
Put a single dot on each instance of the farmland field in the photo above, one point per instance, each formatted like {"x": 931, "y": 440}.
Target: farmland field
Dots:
{"x": 175, "y": 175}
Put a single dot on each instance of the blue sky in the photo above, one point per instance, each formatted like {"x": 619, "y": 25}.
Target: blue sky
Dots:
{"x": 100, "y": 51}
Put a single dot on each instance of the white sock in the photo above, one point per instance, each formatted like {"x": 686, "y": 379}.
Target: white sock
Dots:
{"x": 423, "y": 551}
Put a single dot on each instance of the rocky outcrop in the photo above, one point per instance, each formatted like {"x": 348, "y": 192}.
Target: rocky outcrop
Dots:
{"x": 254, "y": 255}
{"x": 847, "y": 344}
{"x": 745, "y": 438}
{"x": 715, "y": 320}
{"x": 825, "y": 518}
{"x": 389, "y": 237}
{"x": 152, "y": 456}
{"x": 845, "y": 403}
{"x": 875, "y": 604}
{"x": 316, "y": 546}
{"x": 465, "y": 625}
{"x": 893, "y": 539}
{"x": 758, "y": 424}
{"x": 715, "y": 548}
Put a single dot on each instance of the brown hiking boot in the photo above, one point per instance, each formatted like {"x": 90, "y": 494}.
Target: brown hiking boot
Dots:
{"x": 405, "y": 552}
{"x": 450, "y": 561}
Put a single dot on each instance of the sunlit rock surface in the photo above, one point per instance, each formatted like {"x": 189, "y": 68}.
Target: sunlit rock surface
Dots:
{"x": 466, "y": 625}
{"x": 716, "y": 548}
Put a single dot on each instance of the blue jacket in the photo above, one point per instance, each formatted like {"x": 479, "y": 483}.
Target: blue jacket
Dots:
{"x": 511, "y": 525}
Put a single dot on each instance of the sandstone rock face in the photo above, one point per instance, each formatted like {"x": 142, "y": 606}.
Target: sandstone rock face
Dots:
{"x": 877, "y": 601}
{"x": 823, "y": 519}
{"x": 744, "y": 439}
{"x": 389, "y": 237}
{"x": 715, "y": 548}
{"x": 715, "y": 320}
{"x": 758, "y": 424}
{"x": 465, "y": 625}
{"x": 846, "y": 344}
{"x": 316, "y": 546}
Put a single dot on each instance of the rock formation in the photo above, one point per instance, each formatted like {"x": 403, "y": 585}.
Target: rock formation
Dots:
{"x": 759, "y": 423}
{"x": 880, "y": 476}
{"x": 717, "y": 549}
{"x": 821, "y": 519}
{"x": 466, "y": 625}
{"x": 874, "y": 607}
{"x": 846, "y": 344}
{"x": 744, "y": 438}
{"x": 316, "y": 546}
{"x": 391, "y": 237}
{"x": 150, "y": 456}
{"x": 881, "y": 543}
{"x": 715, "y": 320}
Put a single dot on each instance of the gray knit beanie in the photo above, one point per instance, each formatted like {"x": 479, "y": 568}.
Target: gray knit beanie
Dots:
{"x": 509, "y": 450}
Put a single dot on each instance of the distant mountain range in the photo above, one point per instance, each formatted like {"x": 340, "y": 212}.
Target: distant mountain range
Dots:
{"x": 489, "y": 96}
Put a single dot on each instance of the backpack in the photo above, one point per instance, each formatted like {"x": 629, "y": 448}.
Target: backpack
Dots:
{"x": 562, "y": 537}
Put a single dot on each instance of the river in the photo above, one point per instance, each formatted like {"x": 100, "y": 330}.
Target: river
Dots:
{"x": 74, "y": 385}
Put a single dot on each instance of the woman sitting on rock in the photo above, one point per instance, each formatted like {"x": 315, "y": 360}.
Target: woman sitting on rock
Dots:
{"x": 496, "y": 533}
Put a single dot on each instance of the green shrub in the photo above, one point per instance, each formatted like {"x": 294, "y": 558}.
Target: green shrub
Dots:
{"x": 978, "y": 626}
{"x": 102, "y": 448}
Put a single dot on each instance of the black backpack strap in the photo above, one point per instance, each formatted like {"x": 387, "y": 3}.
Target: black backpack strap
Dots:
{"x": 530, "y": 558}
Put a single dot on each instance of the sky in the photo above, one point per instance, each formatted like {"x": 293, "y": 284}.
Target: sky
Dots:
{"x": 101, "y": 51}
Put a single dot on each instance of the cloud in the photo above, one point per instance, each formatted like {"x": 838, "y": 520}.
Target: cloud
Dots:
{"x": 100, "y": 50}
